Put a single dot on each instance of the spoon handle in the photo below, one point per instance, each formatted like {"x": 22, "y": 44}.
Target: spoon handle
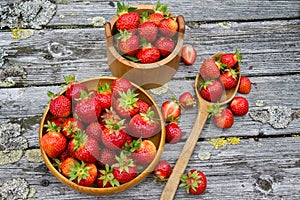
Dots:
{"x": 173, "y": 181}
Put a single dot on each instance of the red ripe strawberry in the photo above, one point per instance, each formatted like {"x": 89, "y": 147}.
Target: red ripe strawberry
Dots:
{"x": 125, "y": 170}
{"x": 129, "y": 43}
{"x": 85, "y": 148}
{"x": 106, "y": 178}
{"x": 114, "y": 136}
{"x": 104, "y": 95}
{"x": 231, "y": 59}
{"x": 88, "y": 109}
{"x": 168, "y": 27}
{"x": 74, "y": 89}
{"x": 245, "y": 85}
{"x": 187, "y": 100}
{"x": 60, "y": 106}
{"x": 148, "y": 31}
{"x": 53, "y": 142}
{"x": 159, "y": 11}
{"x": 143, "y": 125}
{"x": 84, "y": 174}
{"x": 223, "y": 117}
{"x": 143, "y": 105}
{"x": 188, "y": 54}
{"x": 162, "y": 171}
{"x": 211, "y": 90}
{"x": 239, "y": 105}
{"x": 71, "y": 126}
{"x": 65, "y": 166}
{"x": 126, "y": 106}
{"x": 165, "y": 46}
{"x": 64, "y": 155}
{"x": 145, "y": 152}
{"x": 170, "y": 110}
{"x": 120, "y": 85}
{"x": 107, "y": 156}
{"x": 156, "y": 18}
{"x": 94, "y": 130}
{"x": 173, "y": 133}
{"x": 148, "y": 53}
{"x": 58, "y": 121}
{"x": 128, "y": 20}
{"x": 209, "y": 70}
{"x": 194, "y": 181}
{"x": 229, "y": 78}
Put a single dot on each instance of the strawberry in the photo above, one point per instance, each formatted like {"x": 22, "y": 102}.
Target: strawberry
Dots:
{"x": 58, "y": 121}
{"x": 88, "y": 108}
{"x": 113, "y": 135}
{"x": 211, "y": 90}
{"x": 143, "y": 125}
{"x": 129, "y": 43}
{"x": 223, "y": 117}
{"x": 120, "y": 85}
{"x": 188, "y": 54}
{"x": 170, "y": 110}
{"x": 53, "y": 142}
{"x": 148, "y": 30}
{"x": 162, "y": 171}
{"x": 104, "y": 95}
{"x": 159, "y": 13}
{"x": 107, "y": 156}
{"x": 245, "y": 85}
{"x": 239, "y": 105}
{"x": 229, "y": 78}
{"x": 173, "y": 133}
{"x": 73, "y": 90}
{"x": 143, "y": 105}
{"x": 209, "y": 70}
{"x": 145, "y": 152}
{"x": 64, "y": 155}
{"x": 187, "y": 100}
{"x": 85, "y": 148}
{"x": 94, "y": 130}
{"x": 128, "y": 20}
{"x": 84, "y": 174}
{"x": 65, "y": 166}
{"x": 230, "y": 59}
{"x": 165, "y": 46}
{"x": 194, "y": 181}
{"x": 71, "y": 126}
{"x": 59, "y": 106}
{"x": 168, "y": 27}
{"x": 126, "y": 106}
{"x": 106, "y": 178}
{"x": 125, "y": 170}
{"x": 148, "y": 53}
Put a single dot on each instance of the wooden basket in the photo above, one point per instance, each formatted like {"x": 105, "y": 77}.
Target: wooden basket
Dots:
{"x": 145, "y": 75}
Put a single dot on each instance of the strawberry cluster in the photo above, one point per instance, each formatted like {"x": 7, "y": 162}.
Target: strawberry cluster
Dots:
{"x": 100, "y": 137}
{"x": 147, "y": 37}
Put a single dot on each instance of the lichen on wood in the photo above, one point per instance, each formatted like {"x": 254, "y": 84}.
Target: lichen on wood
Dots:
{"x": 13, "y": 189}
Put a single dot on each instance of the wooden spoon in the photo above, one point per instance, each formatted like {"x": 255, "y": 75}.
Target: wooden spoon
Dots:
{"x": 173, "y": 181}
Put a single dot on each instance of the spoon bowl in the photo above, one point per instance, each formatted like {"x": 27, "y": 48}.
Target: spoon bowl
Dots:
{"x": 173, "y": 181}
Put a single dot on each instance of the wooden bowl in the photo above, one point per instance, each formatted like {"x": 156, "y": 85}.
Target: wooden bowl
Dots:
{"x": 158, "y": 140}
{"x": 145, "y": 75}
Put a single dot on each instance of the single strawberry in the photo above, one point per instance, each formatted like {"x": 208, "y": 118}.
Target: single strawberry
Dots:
{"x": 59, "y": 106}
{"x": 223, "y": 117}
{"x": 64, "y": 155}
{"x": 104, "y": 95}
{"x": 125, "y": 170}
{"x": 168, "y": 27}
{"x": 126, "y": 106}
{"x": 120, "y": 85}
{"x": 209, "y": 70}
{"x": 128, "y": 20}
{"x": 230, "y": 59}
{"x": 129, "y": 43}
{"x": 85, "y": 148}
{"x": 159, "y": 13}
{"x": 162, "y": 171}
{"x": 165, "y": 46}
{"x": 229, "y": 78}
{"x": 187, "y": 100}
{"x": 53, "y": 142}
{"x": 74, "y": 88}
{"x": 94, "y": 130}
{"x": 188, "y": 54}
{"x": 113, "y": 135}
{"x": 145, "y": 152}
{"x": 148, "y": 53}
{"x": 239, "y": 105}
{"x": 211, "y": 90}
{"x": 245, "y": 85}
{"x": 173, "y": 133}
{"x": 84, "y": 174}
{"x": 65, "y": 166}
{"x": 88, "y": 108}
{"x": 143, "y": 105}
{"x": 106, "y": 178}
{"x": 171, "y": 110}
{"x": 107, "y": 156}
{"x": 148, "y": 31}
{"x": 143, "y": 125}
{"x": 71, "y": 126}
{"x": 194, "y": 181}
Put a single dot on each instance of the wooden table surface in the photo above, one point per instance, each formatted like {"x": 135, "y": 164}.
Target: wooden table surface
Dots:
{"x": 68, "y": 38}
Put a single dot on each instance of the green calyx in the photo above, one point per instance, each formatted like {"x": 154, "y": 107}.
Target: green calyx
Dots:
{"x": 144, "y": 17}
{"x": 191, "y": 180}
{"x": 149, "y": 115}
{"x": 114, "y": 126}
{"x": 128, "y": 100}
{"x": 84, "y": 95}
{"x": 69, "y": 79}
{"x": 161, "y": 8}
{"x": 203, "y": 85}
{"x": 80, "y": 139}
{"x": 124, "y": 162}
{"x": 232, "y": 73}
{"x": 79, "y": 171}
{"x": 122, "y": 8}
{"x": 51, "y": 126}
{"x": 133, "y": 146}
{"x": 104, "y": 88}
{"x": 238, "y": 56}
{"x": 214, "y": 110}
{"x": 124, "y": 35}
{"x": 108, "y": 177}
